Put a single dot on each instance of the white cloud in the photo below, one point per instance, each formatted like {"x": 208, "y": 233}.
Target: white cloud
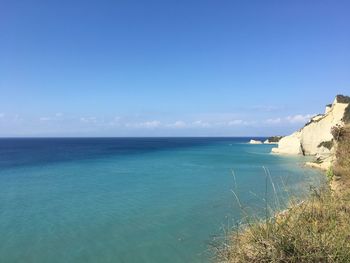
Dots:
{"x": 151, "y": 124}
{"x": 293, "y": 119}
{"x": 17, "y": 118}
{"x": 177, "y": 124}
{"x": 299, "y": 118}
{"x": 57, "y": 116}
{"x": 235, "y": 122}
{"x": 88, "y": 119}
{"x": 147, "y": 124}
{"x": 45, "y": 119}
{"x": 274, "y": 121}
{"x": 201, "y": 123}
{"x": 114, "y": 122}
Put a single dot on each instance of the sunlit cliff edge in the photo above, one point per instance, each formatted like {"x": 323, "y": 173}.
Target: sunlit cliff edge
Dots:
{"x": 316, "y": 229}
{"x": 316, "y": 138}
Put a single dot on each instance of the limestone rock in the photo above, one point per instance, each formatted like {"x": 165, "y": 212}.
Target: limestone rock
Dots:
{"x": 255, "y": 142}
{"x": 307, "y": 140}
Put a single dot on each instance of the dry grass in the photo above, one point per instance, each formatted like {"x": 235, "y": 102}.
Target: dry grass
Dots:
{"x": 341, "y": 167}
{"x": 317, "y": 230}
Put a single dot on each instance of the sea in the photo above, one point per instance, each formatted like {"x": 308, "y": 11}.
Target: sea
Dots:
{"x": 135, "y": 200}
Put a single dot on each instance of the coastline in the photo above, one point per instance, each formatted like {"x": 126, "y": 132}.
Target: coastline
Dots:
{"x": 314, "y": 229}
{"x": 301, "y": 225}
{"x": 324, "y": 166}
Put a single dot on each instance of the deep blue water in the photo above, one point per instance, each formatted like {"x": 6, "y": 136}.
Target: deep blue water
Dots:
{"x": 130, "y": 199}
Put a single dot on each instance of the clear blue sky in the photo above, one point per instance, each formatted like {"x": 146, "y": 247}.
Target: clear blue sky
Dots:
{"x": 169, "y": 68}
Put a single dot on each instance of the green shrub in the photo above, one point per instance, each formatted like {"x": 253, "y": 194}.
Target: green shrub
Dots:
{"x": 330, "y": 173}
{"x": 274, "y": 138}
{"x": 326, "y": 144}
{"x": 343, "y": 99}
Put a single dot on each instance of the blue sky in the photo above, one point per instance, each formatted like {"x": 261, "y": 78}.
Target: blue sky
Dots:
{"x": 169, "y": 68}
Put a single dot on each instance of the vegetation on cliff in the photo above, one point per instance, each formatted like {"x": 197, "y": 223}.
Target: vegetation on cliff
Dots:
{"x": 339, "y": 99}
{"x": 341, "y": 166}
{"x": 326, "y": 144}
{"x": 346, "y": 117}
{"x": 317, "y": 230}
{"x": 274, "y": 138}
{"x": 345, "y": 99}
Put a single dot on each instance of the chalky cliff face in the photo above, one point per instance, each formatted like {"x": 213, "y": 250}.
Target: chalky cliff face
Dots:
{"x": 314, "y": 137}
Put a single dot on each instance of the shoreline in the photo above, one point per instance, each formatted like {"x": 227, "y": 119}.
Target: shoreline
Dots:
{"x": 324, "y": 166}
{"x": 316, "y": 228}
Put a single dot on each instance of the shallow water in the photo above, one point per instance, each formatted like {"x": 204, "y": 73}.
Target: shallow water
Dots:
{"x": 131, "y": 199}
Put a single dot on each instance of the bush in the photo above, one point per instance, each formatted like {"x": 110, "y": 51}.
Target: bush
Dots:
{"x": 346, "y": 117}
{"x": 326, "y": 144}
{"x": 343, "y": 99}
{"x": 342, "y": 154}
{"x": 274, "y": 138}
{"x": 337, "y": 132}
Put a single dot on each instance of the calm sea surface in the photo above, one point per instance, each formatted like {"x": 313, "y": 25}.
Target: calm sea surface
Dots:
{"x": 131, "y": 199}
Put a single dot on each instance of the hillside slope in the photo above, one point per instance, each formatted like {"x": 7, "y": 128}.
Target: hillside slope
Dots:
{"x": 316, "y": 230}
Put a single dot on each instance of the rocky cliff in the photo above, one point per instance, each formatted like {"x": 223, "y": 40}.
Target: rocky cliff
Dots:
{"x": 315, "y": 137}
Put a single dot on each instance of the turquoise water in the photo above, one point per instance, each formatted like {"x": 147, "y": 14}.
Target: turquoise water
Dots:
{"x": 130, "y": 200}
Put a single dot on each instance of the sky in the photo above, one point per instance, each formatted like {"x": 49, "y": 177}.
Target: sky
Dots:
{"x": 169, "y": 68}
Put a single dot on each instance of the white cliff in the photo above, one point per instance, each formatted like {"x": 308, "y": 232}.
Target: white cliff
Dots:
{"x": 309, "y": 139}
{"x": 289, "y": 144}
{"x": 255, "y": 142}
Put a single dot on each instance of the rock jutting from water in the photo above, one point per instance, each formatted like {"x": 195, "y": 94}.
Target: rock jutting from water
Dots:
{"x": 255, "y": 142}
